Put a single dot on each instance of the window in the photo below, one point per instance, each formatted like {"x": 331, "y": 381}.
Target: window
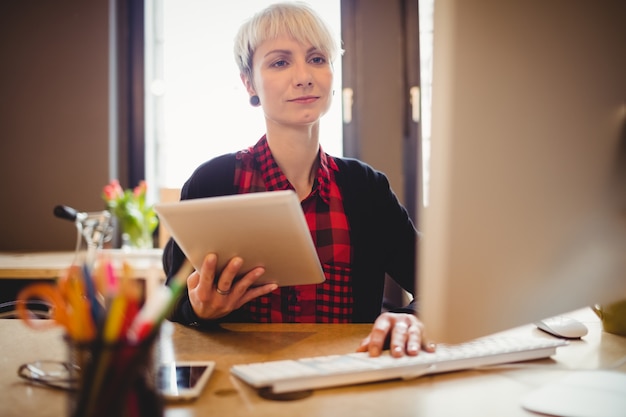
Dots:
{"x": 196, "y": 104}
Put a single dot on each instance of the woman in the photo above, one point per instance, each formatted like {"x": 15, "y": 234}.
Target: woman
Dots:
{"x": 361, "y": 232}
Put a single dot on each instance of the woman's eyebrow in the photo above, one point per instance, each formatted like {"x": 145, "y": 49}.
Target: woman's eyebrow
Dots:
{"x": 288, "y": 51}
{"x": 278, "y": 51}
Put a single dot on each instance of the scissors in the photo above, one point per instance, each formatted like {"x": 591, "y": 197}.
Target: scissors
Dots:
{"x": 70, "y": 307}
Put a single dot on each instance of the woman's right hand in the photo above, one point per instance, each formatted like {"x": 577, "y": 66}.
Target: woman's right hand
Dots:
{"x": 213, "y": 298}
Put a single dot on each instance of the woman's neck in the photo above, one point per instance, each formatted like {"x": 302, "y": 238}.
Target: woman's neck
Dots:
{"x": 296, "y": 153}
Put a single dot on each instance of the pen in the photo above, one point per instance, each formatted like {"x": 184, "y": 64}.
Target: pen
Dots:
{"x": 132, "y": 293}
{"x": 90, "y": 287}
{"x": 115, "y": 319}
{"x": 148, "y": 316}
{"x": 158, "y": 305}
{"x": 117, "y": 306}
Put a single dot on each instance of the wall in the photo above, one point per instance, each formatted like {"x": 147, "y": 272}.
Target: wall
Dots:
{"x": 53, "y": 118}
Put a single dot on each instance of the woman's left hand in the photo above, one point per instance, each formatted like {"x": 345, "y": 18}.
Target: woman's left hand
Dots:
{"x": 404, "y": 333}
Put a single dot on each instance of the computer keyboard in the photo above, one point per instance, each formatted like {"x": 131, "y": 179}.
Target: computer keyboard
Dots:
{"x": 284, "y": 376}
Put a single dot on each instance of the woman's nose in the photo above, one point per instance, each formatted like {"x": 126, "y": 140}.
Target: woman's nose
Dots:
{"x": 302, "y": 76}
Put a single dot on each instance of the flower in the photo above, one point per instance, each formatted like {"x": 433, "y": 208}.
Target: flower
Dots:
{"x": 137, "y": 220}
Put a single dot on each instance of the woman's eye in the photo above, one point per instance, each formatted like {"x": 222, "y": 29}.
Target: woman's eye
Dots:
{"x": 318, "y": 60}
{"x": 279, "y": 63}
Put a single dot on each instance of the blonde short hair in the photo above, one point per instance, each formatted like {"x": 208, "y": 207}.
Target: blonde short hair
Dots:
{"x": 295, "y": 19}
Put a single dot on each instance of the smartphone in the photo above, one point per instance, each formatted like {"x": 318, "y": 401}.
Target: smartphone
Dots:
{"x": 183, "y": 380}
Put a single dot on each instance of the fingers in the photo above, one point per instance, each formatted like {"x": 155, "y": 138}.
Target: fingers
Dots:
{"x": 377, "y": 337}
{"x": 404, "y": 332}
{"x": 212, "y": 298}
{"x": 252, "y": 293}
{"x": 405, "y": 337}
{"x": 206, "y": 277}
{"x": 206, "y": 281}
{"x": 223, "y": 286}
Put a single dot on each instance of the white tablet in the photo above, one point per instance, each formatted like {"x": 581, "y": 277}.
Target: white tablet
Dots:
{"x": 265, "y": 229}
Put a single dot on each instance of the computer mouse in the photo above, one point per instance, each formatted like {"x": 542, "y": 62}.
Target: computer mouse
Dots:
{"x": 563, "y": 326}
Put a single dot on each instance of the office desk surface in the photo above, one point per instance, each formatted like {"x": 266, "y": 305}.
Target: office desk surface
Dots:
{"x": 34, "y": 265}
{"x": 26, "y": 266}
{"x": 484, "y": 392}
{"x": 50, "y": 265}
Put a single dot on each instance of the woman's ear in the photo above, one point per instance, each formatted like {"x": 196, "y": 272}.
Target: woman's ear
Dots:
{"x": 247, "y": 82}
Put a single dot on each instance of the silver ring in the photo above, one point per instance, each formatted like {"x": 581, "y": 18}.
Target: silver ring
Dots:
{"x": 220, "y": 292}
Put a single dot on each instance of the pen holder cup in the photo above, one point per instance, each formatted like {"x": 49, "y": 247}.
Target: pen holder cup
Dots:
{"x": 114, "y": 380}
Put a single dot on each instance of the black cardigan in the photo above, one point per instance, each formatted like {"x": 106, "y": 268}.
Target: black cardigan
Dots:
{"x": 382, "y": 234}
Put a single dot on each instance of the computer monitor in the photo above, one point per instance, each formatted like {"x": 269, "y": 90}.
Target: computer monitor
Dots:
{"x": 526, "y": 209}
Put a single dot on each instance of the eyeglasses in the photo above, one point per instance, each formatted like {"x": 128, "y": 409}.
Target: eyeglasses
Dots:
{"x": 52, "y": 374}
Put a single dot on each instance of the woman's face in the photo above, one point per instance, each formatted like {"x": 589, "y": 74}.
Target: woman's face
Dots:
{"x": 293, "y": 81}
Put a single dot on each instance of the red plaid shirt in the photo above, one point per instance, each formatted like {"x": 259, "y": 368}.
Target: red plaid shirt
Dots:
{"x": 328, "y": 302}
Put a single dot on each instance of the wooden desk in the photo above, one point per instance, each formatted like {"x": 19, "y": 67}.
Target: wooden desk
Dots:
{"x": 34, "y": 265}
{"x": 24, "y": 266}
{"x": 494, "y": 392}
{"x": 51, "y": 265}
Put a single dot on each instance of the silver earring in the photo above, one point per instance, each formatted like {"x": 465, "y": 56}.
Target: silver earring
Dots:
{"x": 255, "y": 101}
